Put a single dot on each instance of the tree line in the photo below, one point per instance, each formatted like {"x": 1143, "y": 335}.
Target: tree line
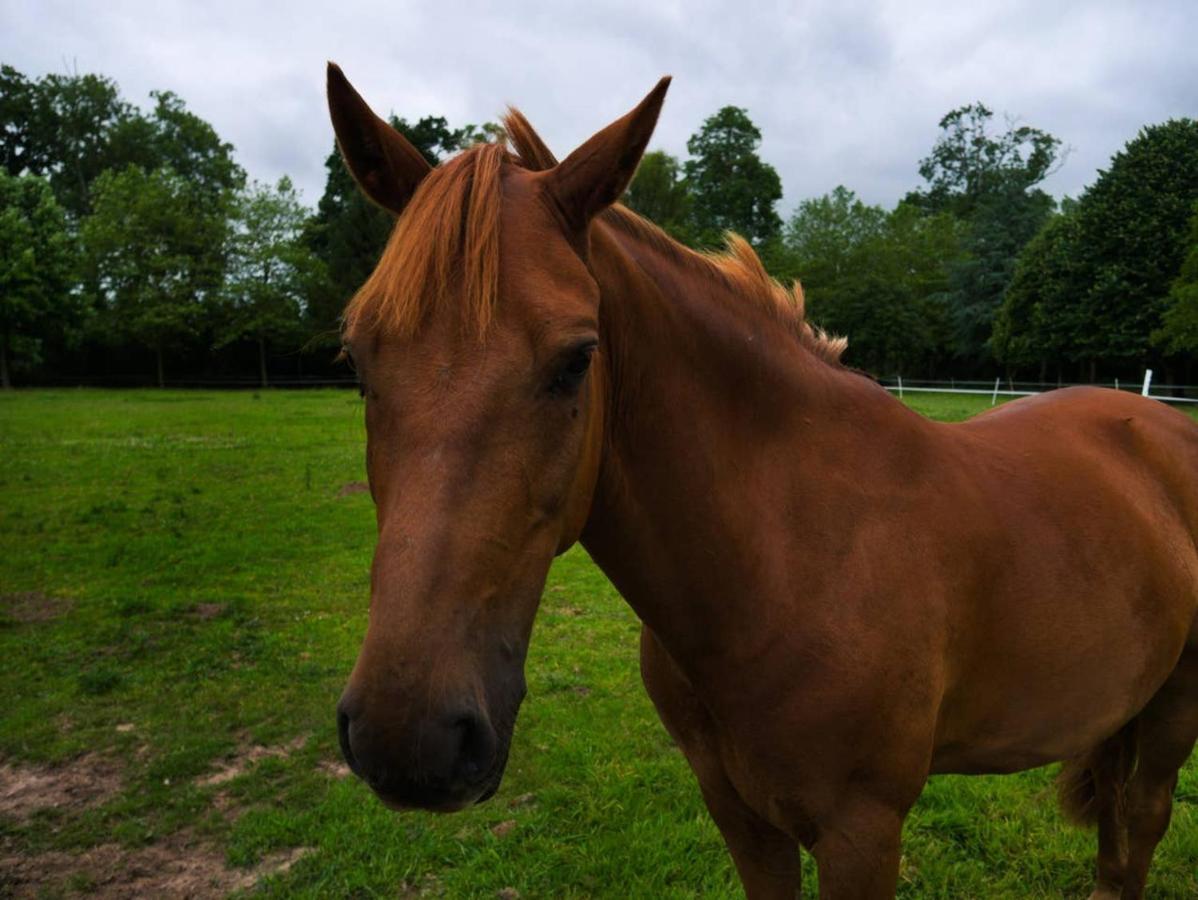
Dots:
{"x": 132, "y": 242}
{"x": 979, "y": 271}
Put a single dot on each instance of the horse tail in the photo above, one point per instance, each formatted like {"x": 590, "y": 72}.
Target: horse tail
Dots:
{"x": 1106, "y": 768}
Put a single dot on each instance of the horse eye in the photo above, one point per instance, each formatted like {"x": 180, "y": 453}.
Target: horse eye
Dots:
{"x": 573, "y": 370}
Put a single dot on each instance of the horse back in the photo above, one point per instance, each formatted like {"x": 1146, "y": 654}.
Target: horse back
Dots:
{"x": 1073, "y": 574}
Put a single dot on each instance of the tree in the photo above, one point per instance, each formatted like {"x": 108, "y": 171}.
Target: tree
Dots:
{"x": 1102, "y": 280}
{"x": 1135, "y": 232}
{"x": 1179, "y": 328}
{"x": 68, "y": 138}
{"x": 731, "y": 188}
{"x": 827, "y": 235}
{"x": 37, "y": 262}
{"x": 348, "y": 232}
{"x": 71, "y": 128}
{"x": 968, "y": 166}
{"x": 878, "y": 278}
{"x": 20, "y": 148}
{"x": 1038, "y": 322}
{"x": 269, "y": 269}
{"x": 659, "y": 193}
{"x": 154, "y": 246}
{"x": 175, "y": 138}
{"x": 989, "y": 182}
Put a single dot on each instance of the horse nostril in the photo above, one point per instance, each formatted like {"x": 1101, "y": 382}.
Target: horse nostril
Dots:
{"x": 475, "y": 747}
{"x": 343, "y": 736}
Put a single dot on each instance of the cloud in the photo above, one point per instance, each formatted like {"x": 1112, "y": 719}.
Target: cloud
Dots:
{"x": 845, "y": 93}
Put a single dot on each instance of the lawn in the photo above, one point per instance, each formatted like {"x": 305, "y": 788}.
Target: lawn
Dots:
{"x": 183, "y": 588}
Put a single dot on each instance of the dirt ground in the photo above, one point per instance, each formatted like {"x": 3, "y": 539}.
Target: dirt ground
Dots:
{"x": 181, "y": 866}
{"x": 32, "y": 606}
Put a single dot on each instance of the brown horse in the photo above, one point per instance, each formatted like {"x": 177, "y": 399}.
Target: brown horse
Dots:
{"x": 839, "y": 596}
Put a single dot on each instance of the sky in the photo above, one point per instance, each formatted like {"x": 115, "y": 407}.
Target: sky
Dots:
{"x": 844, "y": 92}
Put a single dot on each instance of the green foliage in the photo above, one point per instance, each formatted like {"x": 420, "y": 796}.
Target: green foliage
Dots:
{"x": 953, "y": 271}
{"x": 71, "y": 128}
{"x": 1135, "y": 229}
{"x": 828, "y": 235}
{"x": 1179, "y": 328}
{"x": 270, "y": 271}
{"x": 154, "y": 247}
{"x": 731, "y": 188}
{"x": 878, "y": 278}
{"x": 173, "y": 137}
{"x": 67, "y": 137}
{"x": 724, "y": 186}
{"x": 660, "y": 193}
{"x": 20, "y": 148}
{"x": 38, "y": 260}
{"x": 969, "y": 167}
{"x": 1038, "y": 320}
{"x": 989, "y": 182}
{"x": 1102, "y": 281}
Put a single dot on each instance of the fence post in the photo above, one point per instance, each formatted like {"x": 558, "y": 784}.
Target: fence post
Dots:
{"x": 1116, "y": 384}
{"x": 994, "y": 396}
{"x": 900, "y": 387}
{"x": 1147, "y": 382}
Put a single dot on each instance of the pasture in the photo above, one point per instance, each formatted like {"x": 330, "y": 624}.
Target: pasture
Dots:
{"x": 183, "y": 588}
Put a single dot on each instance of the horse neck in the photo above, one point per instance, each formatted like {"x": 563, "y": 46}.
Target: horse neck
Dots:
{"x": 715, "y": 413}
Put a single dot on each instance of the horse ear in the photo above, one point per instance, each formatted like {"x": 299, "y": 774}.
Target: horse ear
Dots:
{"x": 594, "y": 176}
{"x": 385, "y": 165}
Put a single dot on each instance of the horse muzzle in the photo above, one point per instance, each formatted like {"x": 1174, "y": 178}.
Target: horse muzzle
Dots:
{"x": 442, "y": 762}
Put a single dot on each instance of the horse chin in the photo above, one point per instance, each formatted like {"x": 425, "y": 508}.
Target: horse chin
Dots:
{"x": 437, "y": 806}
{"x": 440, "y": 800}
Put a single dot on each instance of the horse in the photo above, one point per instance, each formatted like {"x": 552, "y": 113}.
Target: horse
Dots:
{"x": 839, "y": 597}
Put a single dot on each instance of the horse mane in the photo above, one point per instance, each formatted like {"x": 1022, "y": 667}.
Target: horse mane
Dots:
{"x": 448, "y": 237}
{"x": 738, "y": 266}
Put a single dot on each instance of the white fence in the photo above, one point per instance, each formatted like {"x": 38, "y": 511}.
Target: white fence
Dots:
{"x": 954, "y": 386}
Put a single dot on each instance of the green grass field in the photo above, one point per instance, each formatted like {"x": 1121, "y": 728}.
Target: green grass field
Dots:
{"x": 183, "y": 588}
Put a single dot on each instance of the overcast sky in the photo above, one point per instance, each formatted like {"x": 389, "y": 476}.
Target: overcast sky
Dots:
{"x": 845, "y": 92}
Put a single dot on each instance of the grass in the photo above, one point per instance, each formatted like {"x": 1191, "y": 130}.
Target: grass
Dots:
{"x": 204, "y": 584}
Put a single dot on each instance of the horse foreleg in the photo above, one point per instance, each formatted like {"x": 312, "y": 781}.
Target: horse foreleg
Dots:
{"x": 766, "y": 858}
{"x": 858, "y": 851}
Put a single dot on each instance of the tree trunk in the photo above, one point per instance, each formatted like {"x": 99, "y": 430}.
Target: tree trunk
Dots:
{"x": 262, "y": 360}
{"x": 5, "y": 384}
{"x": 158, "y": 358}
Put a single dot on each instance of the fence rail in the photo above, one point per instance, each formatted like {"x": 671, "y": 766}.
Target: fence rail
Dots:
{"x": 1029, "y": 388}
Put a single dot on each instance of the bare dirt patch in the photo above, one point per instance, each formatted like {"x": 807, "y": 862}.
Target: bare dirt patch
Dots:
{"x": 176, "y": 868}
{"x": 82, "y": 782}
{"x": 333, "y": 768}
{"x": 428, "y": 886}
{"x": 247, "y": 759}
{"x": 32, "y": 606}
{"x": 504, "y": 828}
{"x": 522, "y": 801}
{"x": 206, "y": 612}
{"x": 353, "y": 487}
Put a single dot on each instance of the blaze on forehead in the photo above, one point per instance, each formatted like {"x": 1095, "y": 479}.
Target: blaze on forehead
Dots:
{"x": 443, "y": 254}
